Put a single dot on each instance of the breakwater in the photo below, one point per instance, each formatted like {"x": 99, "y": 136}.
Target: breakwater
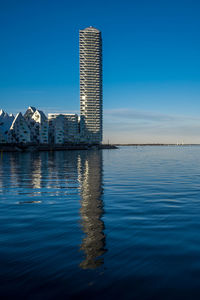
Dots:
{"x": 51, "y": 147}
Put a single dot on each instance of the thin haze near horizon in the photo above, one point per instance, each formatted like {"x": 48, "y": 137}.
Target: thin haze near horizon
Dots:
{"x": 151, "y": 64}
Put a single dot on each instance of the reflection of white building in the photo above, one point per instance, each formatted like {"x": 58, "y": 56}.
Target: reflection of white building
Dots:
{"x": 5, "y": 124}
{"x": 90, "y": 178}
{"x": 36, "y": 173}
{"x": 63, "y": 128}
{"x": 19, "y": 131}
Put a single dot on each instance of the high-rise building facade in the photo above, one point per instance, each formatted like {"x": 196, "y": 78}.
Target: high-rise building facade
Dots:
{"x": 90, "y": 51}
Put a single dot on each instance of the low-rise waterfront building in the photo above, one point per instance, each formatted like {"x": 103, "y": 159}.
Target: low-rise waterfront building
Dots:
{"x": 29, "y": 113}
{"x": 19, "y": 131}
{"x": 28, "y": 117}
{"x": 63, "y": 128}
{"x": 5, "y": 124}
{"x": 38, "y": 125}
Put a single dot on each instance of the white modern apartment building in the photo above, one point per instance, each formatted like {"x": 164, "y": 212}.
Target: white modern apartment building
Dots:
{"x": 63, "y": 128}
{"x": 5, "y": 124}
{"x": 28, "y": 117}
{"x": 38, "y": 125}
{"x": 90, "y": 52}
{"x": 19, "y": 131}
{"x": 29, "y": 113}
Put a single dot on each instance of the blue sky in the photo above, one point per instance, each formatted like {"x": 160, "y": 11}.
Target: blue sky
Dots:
{"x": 151, "y": 63}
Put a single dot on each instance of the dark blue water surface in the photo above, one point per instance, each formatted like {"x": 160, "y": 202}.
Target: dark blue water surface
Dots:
{"x": 111, "y": 224}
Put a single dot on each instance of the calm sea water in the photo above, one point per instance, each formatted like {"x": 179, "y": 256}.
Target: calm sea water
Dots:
{"x": 111, "y": 224}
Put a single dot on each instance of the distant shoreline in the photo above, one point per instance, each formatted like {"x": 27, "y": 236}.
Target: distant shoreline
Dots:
{"x": 156, "y": 144}
{"x": 36, "y": 148}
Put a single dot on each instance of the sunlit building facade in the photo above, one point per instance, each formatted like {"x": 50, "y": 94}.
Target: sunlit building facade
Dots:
{"x": 5, "y": 124}
{"x": 38, "y": 125}
{"x": 63, "y": 128}
{"x": 90, "y": 51}
{"x": 34, "y": 127}
{"x": 19, "y": 131}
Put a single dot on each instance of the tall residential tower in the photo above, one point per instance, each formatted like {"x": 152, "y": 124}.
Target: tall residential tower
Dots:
{"x": 90, "y": 47}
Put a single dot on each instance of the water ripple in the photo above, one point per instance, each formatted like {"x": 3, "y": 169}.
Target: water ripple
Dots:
{"x": 118, "y": 224}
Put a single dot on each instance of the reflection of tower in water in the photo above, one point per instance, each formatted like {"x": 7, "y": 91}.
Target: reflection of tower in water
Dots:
{"x": 90, "y": 177}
